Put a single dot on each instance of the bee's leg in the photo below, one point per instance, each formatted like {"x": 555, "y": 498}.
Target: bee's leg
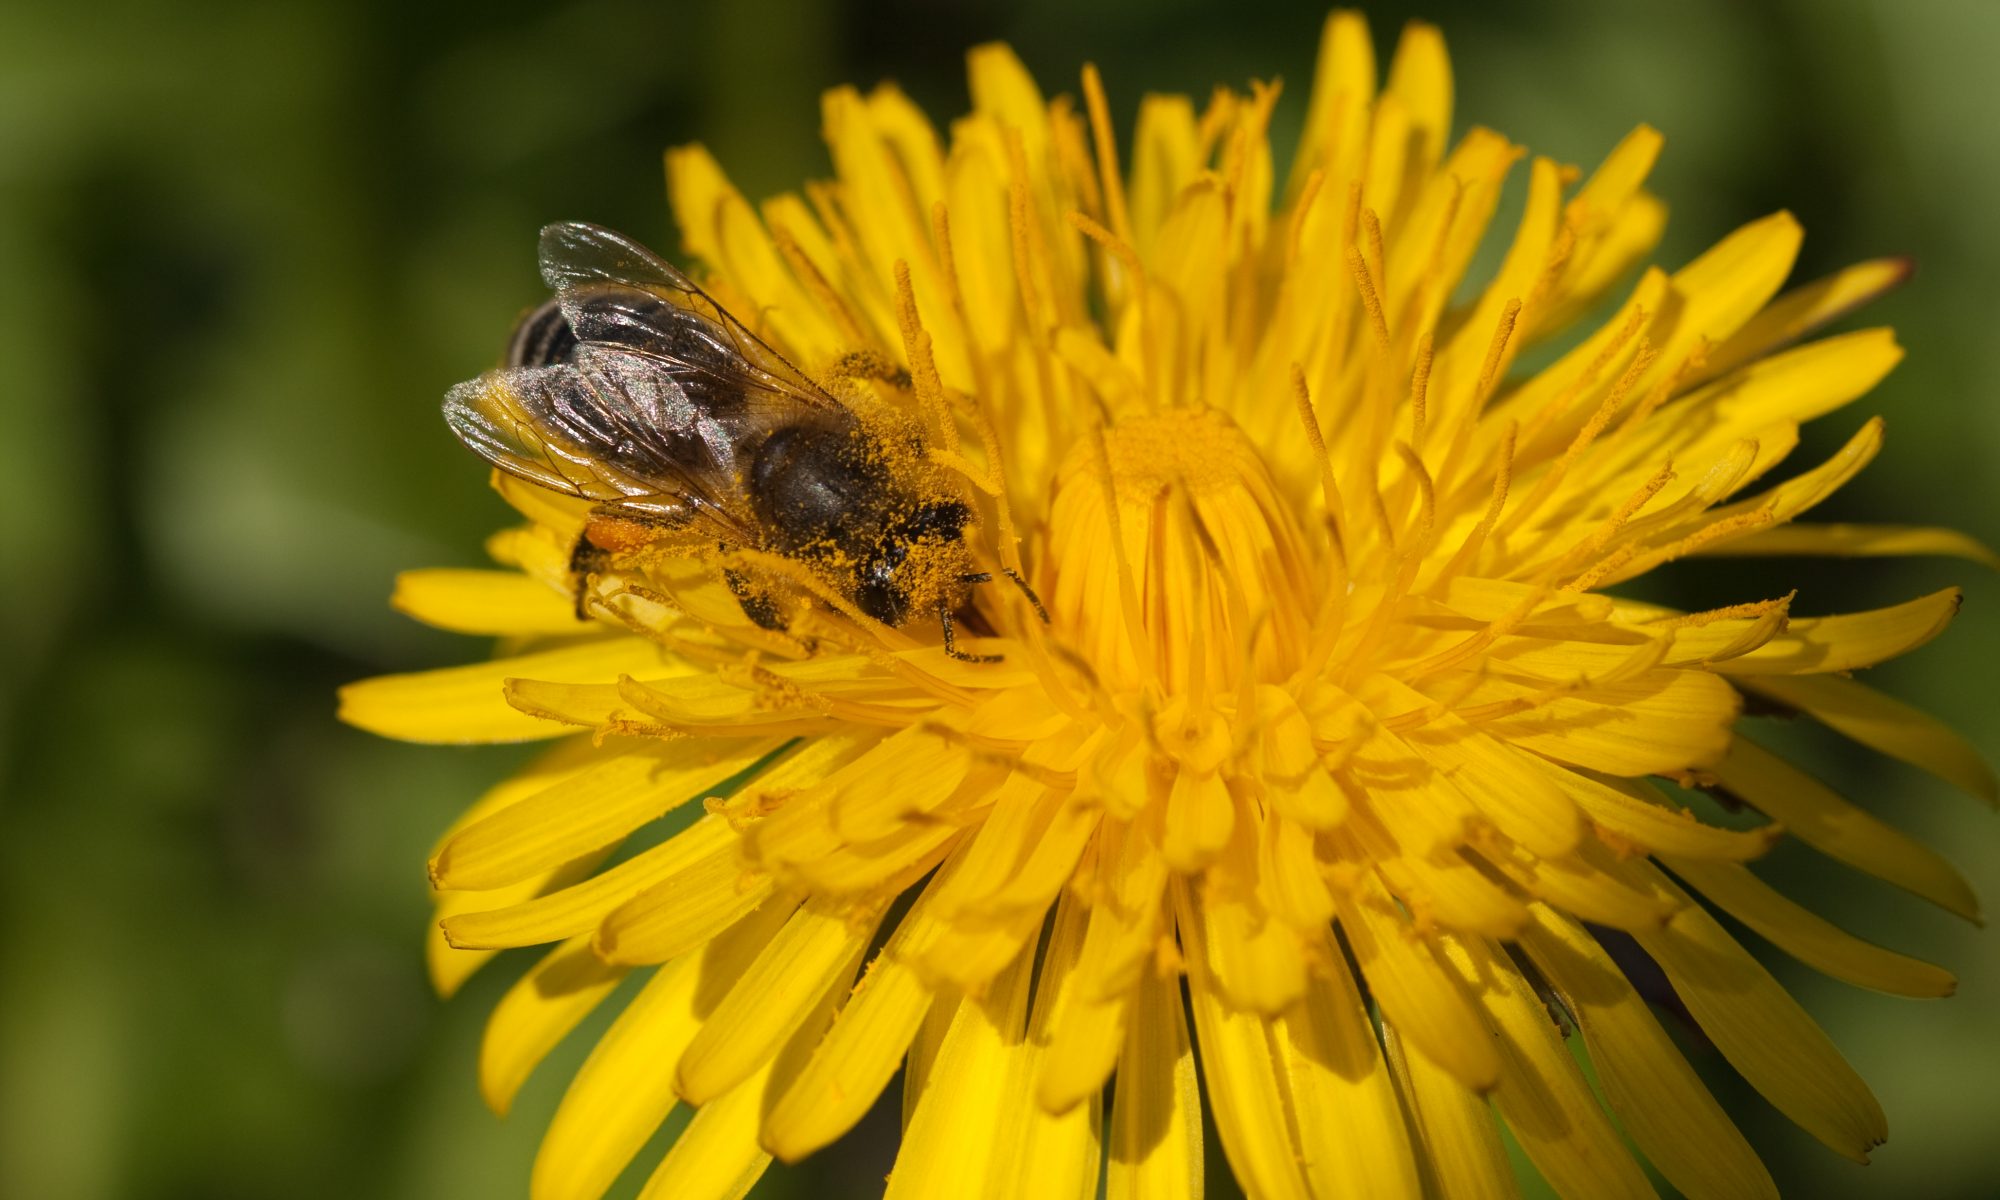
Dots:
{"x": 585, "y": 560}
{"x": 757, "y": 605}
{"x": 951, "y": 641}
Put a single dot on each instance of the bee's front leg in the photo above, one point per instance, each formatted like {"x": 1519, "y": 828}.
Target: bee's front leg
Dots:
{"x": 759, "y": 605}
{"x": 585, "y": 559}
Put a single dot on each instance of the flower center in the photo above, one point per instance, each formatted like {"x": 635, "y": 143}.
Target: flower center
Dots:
{"x": 1176, "y": 558}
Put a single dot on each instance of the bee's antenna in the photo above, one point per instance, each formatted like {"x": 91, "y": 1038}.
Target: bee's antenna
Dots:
{"x": 1027, "y": 591}
{"x": 1011, "y": 573}
{"x": 951, "y": 641}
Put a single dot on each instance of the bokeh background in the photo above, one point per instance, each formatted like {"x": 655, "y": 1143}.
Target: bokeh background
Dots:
{"x": 244, "y": 248}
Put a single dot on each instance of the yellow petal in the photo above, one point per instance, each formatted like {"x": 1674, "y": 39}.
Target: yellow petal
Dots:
{"x": 1258, "y": 963}
{"x": 625, "y": 1088}
{"x": 1458, "y": 1141}
{"x": 1343, "y": 87}
{"x": 1656, "y": 723}
{"x": 1721, "y": 290}
{"x": 1509, "y": 791}
{"x": 1804, "y": 309}
{"x": 1614, "y": 224}
{"x": 536, "y": 1012}
{"x": 1817, "y": 645}
{"x": 1798, "y": 385}
{"x": 466, "y": 704}
{"x": 1761, "y": 1030}
{"x": 696, "y": 190}
{"x": 853, "y": 1063}
{"x": 1808, "y": 937}
{"x": 1665, "y": 1107}
{"x": 975, "y": 1129}
{"x": 1156, "y": 1151}
{"x": 1542, "y": 1096}
{"x": 1884, "y": 723}
{"x": 449, "y": 966}
{"x": 1353, "y": 1136}
{"x": 819, "y": 948}
{"x": 496, "y": 603}
{"x": 1420, "y": 78}
{"x": 706, "y": 849}
{"x": 1245, "y": 1094}
{"x": 1418, "y": 994}
{"x": 1772, "y": 507}
{"x": 1038, "y": 1153}
{"x": 1119, "y": 943}
{"x": 687, "y": 898}
{"x": 1635, "y": 811}
{"x": 1449, "y": 891}
{"x": 717, "y": 1156}
{"x": 1577, "y": 886}
{"x": 1858, "y": 541}
{"x": 1816, "y": 815}
{"x": 946, "y": 1149}
{"x": 589, "y": 811}
{"x": 1166, "y": 156}
{"x": 1200, "y": 815}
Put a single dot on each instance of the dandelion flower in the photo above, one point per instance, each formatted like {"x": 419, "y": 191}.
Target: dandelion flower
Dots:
{"x": 1340, "y": 765}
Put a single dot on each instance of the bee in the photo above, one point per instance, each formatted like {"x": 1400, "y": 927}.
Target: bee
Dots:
{"x": 632, "y": 388}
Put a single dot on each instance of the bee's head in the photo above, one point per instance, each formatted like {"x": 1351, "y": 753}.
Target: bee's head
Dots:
{"x": 918, "y": 566}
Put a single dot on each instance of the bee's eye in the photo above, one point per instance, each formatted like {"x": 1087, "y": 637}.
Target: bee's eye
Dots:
{"x": 542, "y": 337}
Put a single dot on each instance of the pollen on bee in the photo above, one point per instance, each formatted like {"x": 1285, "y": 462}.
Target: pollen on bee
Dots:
{"x": 619, "y": 535}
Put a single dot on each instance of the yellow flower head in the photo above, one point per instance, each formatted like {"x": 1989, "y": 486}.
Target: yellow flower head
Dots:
{"x": 1335, "y": 738}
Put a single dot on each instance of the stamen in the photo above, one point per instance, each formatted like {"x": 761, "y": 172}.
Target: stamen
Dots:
{"x": 1733, "y": 612}
{"x": 1107, "y": 152}
{"x": 1023, "y": 235}
{"x": 1330, "y": 497}
{"x": 1328, "y": 620}
{"x": 1370, "y": 302}
{"x": 1121, "y": 248}
{"x": 830, "y": 301}
{"x": 1560, "y": 403}
{"x": 923, "y": 365}
{"x": 1307, "y": 195}
{"x": 1372, "y": 226}
{"x": 1420, "y": 382}
{"x": 1553, "y": 478}
{"x": 1598, "y": 538}
{"x": 1426, "y": 499}
{"x": 1496, "y": 349}
{"x": 1475, "y": 539}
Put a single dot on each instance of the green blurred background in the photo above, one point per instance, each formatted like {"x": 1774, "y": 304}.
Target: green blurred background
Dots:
{"x": 245, "y": 247}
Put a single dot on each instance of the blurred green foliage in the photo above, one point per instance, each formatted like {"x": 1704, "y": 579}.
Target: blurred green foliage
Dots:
{"x": 245, "y": 247}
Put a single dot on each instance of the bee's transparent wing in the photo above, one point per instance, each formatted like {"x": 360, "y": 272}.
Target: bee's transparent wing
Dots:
{"x": 616, "y": 292}
{"x": 609, "y": 427}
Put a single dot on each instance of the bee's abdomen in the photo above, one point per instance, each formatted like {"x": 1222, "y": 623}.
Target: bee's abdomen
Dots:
{"x": 542, "y": 338}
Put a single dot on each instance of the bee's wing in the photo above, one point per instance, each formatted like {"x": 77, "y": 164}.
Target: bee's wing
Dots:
{"x": 613, "y": 290}
{"x": 612, "y": 426}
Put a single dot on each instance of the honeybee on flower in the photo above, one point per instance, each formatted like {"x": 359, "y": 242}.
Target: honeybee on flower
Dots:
{"x": 1316, "y": 759}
